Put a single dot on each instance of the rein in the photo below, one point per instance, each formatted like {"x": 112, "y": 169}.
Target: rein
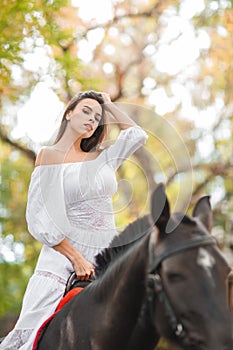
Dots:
{"x": 155, "y": 283}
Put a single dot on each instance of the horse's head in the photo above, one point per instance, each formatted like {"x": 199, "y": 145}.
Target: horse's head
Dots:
{"x": 188, "y": 277}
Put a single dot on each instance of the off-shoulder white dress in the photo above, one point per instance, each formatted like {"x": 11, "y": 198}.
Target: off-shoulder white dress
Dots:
{"x": 72, "y": 201}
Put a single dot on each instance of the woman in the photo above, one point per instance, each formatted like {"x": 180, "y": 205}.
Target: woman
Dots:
{"x": 69, "y": 205}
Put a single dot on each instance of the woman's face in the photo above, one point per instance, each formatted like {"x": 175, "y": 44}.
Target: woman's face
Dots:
{"x": 85, "y": 118}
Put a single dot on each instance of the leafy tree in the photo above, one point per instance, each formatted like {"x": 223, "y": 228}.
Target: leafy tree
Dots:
{"x": 192, "y": 154}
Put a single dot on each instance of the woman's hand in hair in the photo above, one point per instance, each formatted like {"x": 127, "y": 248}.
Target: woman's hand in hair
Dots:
{"x": 107, "y": 99}
{"x": 119, "y": 117}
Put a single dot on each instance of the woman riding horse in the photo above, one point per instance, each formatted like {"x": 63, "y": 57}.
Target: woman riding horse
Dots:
{"x": 70, "y": 205}
{"x": 152, "y": 284}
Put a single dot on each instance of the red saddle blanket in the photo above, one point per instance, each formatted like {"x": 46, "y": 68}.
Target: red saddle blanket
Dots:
{"x": 63, "y": 302}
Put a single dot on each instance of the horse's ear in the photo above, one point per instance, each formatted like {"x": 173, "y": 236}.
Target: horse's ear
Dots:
{"x": 160, "y": 210}
{"x": 202, "y": 210}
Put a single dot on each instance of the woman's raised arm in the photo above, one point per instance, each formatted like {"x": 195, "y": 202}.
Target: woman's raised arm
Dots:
{"x": 120, "y": 117}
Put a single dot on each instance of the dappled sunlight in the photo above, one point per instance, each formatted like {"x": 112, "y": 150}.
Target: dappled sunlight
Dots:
{"x": 167, "y": 64}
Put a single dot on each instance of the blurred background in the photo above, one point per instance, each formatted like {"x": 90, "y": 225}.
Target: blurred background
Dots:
{"x": 168, "y": 63}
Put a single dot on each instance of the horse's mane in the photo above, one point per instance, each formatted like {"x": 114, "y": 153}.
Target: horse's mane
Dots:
{"x": 133, "y": 233}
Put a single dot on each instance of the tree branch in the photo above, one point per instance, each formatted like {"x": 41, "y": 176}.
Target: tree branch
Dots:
{"x": 27, "y": 152}
{"x": 154, "y": 11}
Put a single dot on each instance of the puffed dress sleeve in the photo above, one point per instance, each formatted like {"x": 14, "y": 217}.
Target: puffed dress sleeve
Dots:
{"x": 128, "y": 141}
{"x": 45, "y": 211}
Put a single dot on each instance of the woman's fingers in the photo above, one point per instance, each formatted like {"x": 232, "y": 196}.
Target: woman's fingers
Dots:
{"x": 106, "y": 97}
{"x": 85, "y": 274}
{"x": 91, "y": 273}
{"x": 84, "y": 269}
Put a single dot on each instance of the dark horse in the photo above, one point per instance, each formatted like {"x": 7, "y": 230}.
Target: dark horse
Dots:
{"x": 151, "y": 284}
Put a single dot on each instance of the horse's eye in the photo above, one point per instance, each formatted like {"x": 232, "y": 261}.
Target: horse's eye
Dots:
{"x": 175, "y": 277}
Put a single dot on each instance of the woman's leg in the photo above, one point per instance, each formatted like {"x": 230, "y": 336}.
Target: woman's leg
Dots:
{"x": 43, "y": 293}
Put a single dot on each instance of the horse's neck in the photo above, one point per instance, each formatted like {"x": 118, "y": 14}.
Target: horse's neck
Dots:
{"x": 127, "y": 277}
{"x": 123, "y": 288}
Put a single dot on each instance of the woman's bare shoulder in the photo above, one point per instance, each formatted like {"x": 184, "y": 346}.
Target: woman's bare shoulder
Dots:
{"x": 48, "y": 155}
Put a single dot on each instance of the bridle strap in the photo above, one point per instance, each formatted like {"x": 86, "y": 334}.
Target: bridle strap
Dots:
{"x": 156, "y": 288}
{"x": 178, "y": 248}
{"x": 155, "y": 284}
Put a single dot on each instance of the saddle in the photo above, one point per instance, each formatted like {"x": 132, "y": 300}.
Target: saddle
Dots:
{"x": 73, "y": 287}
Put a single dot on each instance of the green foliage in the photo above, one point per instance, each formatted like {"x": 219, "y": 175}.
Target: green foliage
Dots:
{"x": 18, "y": 250}
{"x": 174, "y": 141}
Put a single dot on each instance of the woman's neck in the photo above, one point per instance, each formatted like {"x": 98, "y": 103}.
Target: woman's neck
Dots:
{"x": 69, "y": 142}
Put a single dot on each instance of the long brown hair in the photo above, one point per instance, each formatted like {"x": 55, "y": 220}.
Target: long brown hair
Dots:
{"x": 90, "y": 143}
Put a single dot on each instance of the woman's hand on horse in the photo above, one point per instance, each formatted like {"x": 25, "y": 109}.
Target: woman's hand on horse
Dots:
{"x": 83, "y": 268}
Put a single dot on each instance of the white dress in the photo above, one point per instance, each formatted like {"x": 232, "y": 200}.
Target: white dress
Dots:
{"x": 72, "y": 201}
